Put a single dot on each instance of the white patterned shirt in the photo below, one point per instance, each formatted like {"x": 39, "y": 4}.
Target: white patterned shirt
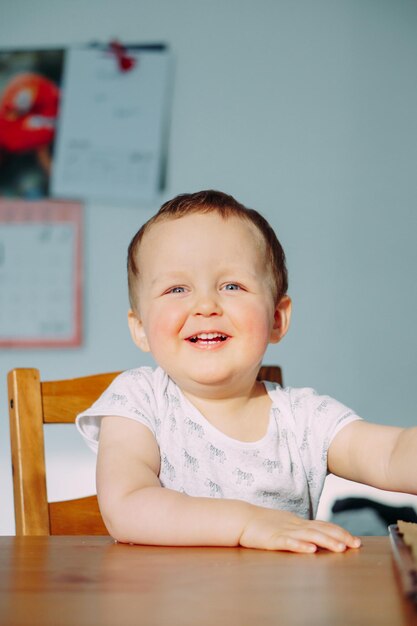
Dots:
{"x": 284, "y": 470}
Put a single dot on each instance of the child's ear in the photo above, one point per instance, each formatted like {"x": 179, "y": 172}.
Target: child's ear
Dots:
{"x": 137, "y": 331}
{"x": 282, "y": 318}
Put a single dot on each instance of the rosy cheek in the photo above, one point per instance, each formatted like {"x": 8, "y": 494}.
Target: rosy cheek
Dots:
{"x": 163, "y": 322}
{"x": 258, "y": 325}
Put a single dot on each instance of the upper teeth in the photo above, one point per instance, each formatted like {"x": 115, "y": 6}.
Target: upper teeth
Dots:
{"x": 208, "y": 336}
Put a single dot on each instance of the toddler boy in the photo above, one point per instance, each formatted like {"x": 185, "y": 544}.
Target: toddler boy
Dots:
{"x": 198, "y": 451}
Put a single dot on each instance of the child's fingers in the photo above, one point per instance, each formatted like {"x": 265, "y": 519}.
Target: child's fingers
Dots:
{"x": 291, "y": 544}
{"x": 284, "y": 531}
{"x": 307, "y": 541}
{"x": 324, "y": 540}
{"x": 338, "y": 533}
{"x": 312, "y": 536}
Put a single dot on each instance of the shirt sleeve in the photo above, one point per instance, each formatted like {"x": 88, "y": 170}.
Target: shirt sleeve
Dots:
{"x": 317, "y": 420}
{"x": 131, "y": 395}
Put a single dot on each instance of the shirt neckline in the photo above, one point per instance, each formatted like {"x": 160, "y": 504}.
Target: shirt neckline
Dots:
{"x": 269, "y": 387}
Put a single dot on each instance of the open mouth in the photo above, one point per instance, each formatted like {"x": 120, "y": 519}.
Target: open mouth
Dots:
{"x": 208, "y": 338}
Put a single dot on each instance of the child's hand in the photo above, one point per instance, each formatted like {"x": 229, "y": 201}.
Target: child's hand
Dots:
{"x": 279, "y": 530}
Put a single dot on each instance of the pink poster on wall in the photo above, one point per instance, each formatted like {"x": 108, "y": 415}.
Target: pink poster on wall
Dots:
{"x": 40, "y": 273}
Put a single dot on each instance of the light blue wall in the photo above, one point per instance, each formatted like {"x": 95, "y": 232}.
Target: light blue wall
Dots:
{"x": 304, "y": 109}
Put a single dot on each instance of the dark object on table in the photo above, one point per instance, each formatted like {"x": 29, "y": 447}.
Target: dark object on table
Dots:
{"x": 388, "y": 514}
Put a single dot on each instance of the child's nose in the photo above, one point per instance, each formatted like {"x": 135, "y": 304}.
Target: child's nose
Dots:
{"x": 207, "y": 304}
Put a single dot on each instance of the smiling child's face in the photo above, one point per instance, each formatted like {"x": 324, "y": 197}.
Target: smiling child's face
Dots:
{"x": 206, "y": 303}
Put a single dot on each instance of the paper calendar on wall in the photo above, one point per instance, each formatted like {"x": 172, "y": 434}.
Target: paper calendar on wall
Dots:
{"x": 112, "y": 133}
{"x": 40, "y": 273}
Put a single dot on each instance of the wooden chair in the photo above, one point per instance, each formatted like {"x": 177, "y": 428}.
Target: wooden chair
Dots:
{"x": 33, "y": 403}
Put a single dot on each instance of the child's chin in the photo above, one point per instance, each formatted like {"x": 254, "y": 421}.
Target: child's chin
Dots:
{"x": 213, "y": 378}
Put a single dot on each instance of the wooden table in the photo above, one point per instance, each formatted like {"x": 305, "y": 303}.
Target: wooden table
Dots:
{"x": 79, "y": 581}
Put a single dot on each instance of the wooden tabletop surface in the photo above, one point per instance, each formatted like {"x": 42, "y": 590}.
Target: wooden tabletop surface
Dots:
{"x": 77, "y": 581}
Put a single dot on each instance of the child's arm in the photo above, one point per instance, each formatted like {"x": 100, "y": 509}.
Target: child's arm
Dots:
{"x": 381, "y": 456}
{"x": 137, "y": 509}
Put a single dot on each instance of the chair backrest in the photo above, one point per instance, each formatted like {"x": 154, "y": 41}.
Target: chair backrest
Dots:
{"x": 33, "y": 403}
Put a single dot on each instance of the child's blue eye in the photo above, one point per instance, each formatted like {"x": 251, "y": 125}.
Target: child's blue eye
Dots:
{"x": 231, "y": 287}
{"x": 177, "y": 290}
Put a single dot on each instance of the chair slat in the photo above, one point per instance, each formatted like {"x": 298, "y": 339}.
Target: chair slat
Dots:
{"x": 62, "y": 400}
{"x": 31, "y": 404}
{"x": 273, "y": 373}
{"x": 28, "y": 455}
{"x": 72, "y": 517}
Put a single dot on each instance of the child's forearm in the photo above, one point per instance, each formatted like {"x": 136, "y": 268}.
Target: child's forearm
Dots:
{"x": 158, "y": 516}
{"x": 402, "y": 467}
